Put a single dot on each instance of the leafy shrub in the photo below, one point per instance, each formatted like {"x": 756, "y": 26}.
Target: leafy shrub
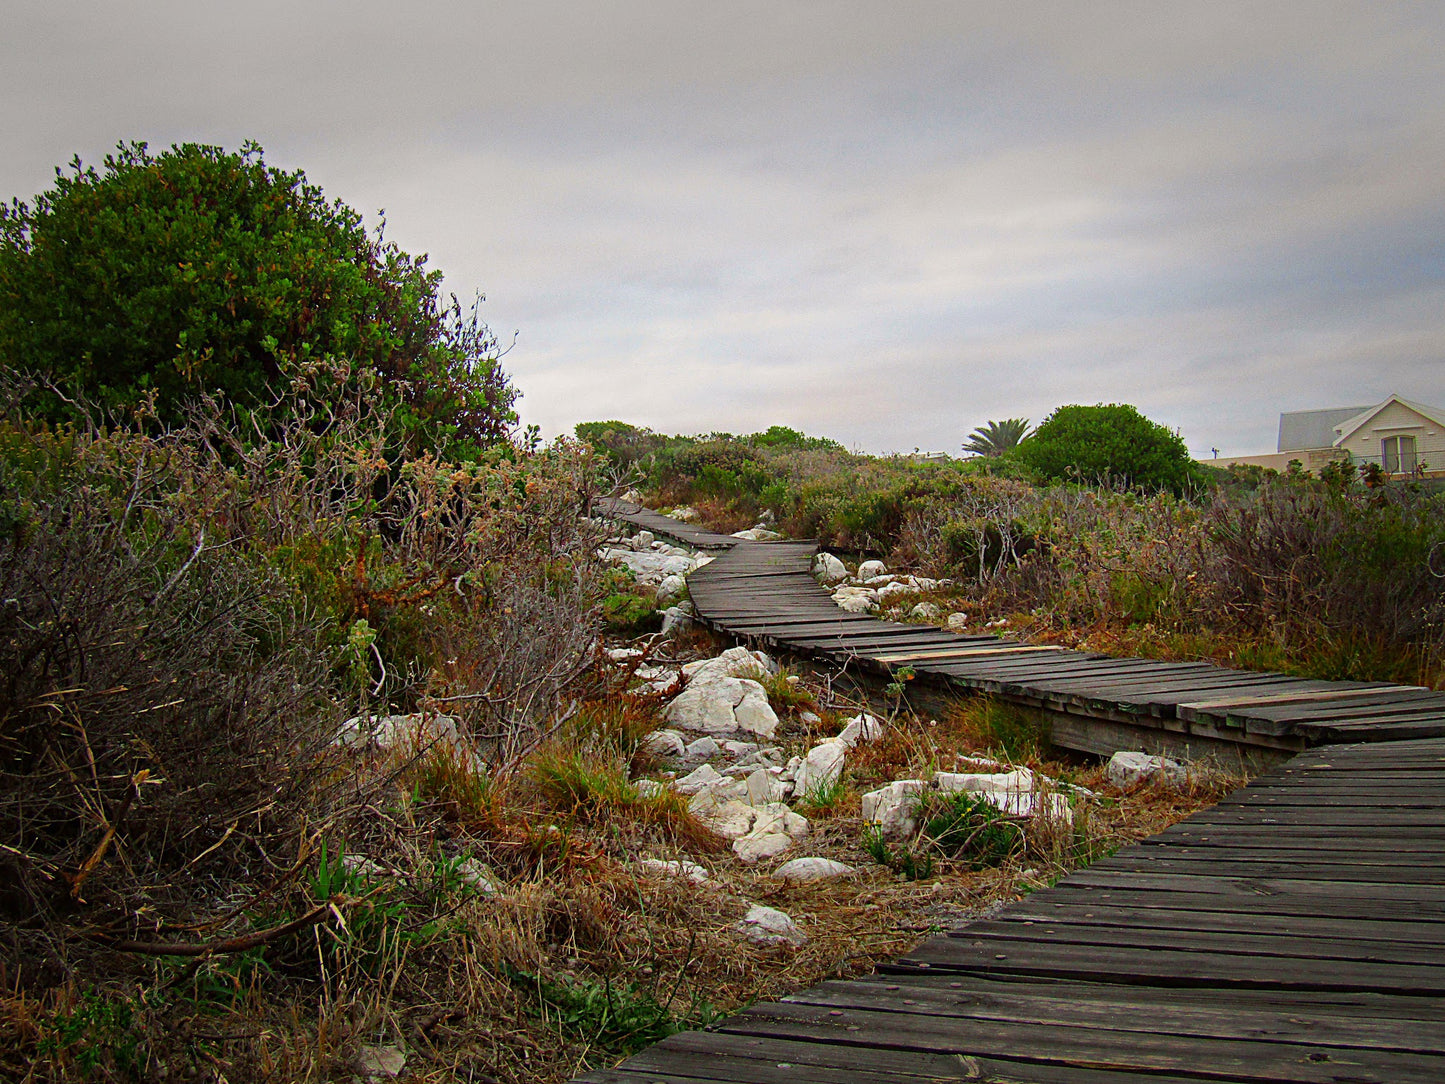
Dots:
{"x": 201, "y": 271}
{"x": 1108, "y": 444}
{"x": 625, "y": 446}
{"x": 187, "y": 615}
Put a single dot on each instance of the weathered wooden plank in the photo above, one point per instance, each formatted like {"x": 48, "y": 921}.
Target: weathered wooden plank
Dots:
{"x": 1160, "y": 915}
{"x": 722, "y": 1056}
{"x": 1113, "y": 1009}
{"x": 1156, "y": 966}
{"x": 1234, "y": 1059}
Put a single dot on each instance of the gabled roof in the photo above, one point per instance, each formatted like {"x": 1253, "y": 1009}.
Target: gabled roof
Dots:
{"x": 1302, "y": 430}
{"x": 1347, "y": 428}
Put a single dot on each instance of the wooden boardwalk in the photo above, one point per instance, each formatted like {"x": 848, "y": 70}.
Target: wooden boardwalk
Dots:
{"x": 764, "y": 591}
{"x": 657, "y": 523}
{"x": 1293, "y": 932}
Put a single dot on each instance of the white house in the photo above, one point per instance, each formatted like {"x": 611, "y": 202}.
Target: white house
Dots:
{"x": 1400, "y": 436}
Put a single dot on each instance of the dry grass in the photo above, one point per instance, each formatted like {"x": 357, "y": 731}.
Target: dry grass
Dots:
{"x": 530, "y": 983}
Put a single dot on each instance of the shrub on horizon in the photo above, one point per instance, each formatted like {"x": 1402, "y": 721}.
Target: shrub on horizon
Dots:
{"x": 1110, "y": 444}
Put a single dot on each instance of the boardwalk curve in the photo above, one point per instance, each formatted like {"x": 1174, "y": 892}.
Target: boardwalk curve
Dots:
{"x": 1293, "y": 932}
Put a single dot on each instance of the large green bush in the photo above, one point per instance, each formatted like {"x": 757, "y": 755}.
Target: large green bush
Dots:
{"x": 1109, "y": 443}
{"x": 202, "y": 271}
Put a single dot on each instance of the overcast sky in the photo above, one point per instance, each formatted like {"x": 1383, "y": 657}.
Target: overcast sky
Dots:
{"x": 886, "y": 224}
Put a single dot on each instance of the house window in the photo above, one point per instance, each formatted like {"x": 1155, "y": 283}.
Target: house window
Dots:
{"x": 1397, "y": 454}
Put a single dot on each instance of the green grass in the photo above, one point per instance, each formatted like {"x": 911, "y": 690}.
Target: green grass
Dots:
{"x": 970, "y": 828}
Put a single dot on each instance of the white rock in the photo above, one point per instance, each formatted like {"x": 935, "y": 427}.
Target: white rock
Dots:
{"x": 632, "y": 496}
{"x": 649, "y": 567}
{"x": 764, "y": 787}
{"x": 775, "y": 828}
{"x": 714, "y": 702}
{"x": 892, "y": 808}
{"x": 643, "y": 541}
{"x": 671, "y": 590}
{"x": 702, "y": 778}
{"x": 926, "y": 611}
{"x": 380, "y": 1062}
{"x": 808, "y": 718}
{"x": 957, "y": 622}
{"x": 681, "y": 868}
{"x": 862, "y": 727}
{"x": 624, "y": 654}
{"x": 1128, "y": 769}
{"x": 828, "y": 569}
{"x": 360, "y": 866}
{"x": 407, "y": 733}
{"x": 728, "y": 817}
{"x": 821, "y": 768}
{"x": 803, "y": 870}
{"x": 704, "y": 747}
{"x": 1014, "y": 793}
{"x": 740, "y": 748}
{"x": 868, "y": 569}
{"x": 759, "y": 846}
{"x": 776, "y": 817}
{"x": 685, "y": 514}
{"x": 734, "y": 662}
{"x": 856, "y": 600}
{"x": 1018, "y": 781}
{"x": 475, "y": 875}
{"x": 665, "y": 743}
{"x": 794, "y": 765}
{"x": 757, "y": 534}
{"x": 676, "y": 621}
{"x": 769, "y": 926}
{"x": 893, "y": 593}
{"x": 876, "y": 582}
{"x": 658, "y": 679}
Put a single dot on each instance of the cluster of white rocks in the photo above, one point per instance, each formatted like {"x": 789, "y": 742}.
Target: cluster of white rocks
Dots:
{"x": 873, "y": 588}
{"x": 723, "y": 716}
{"x": 663, "y": 566}
{"x": 1014, "y": 791}
{"x": 650, "y": 559}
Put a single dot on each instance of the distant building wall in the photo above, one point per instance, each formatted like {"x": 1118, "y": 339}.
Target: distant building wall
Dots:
{"x": 1312, "y": 459}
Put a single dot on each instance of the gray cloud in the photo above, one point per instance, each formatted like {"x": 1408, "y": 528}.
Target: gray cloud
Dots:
{"x": 884, "y": 227}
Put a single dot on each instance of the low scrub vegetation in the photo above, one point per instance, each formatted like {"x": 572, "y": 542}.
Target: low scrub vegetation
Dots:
{"x": 1336, "y": 576}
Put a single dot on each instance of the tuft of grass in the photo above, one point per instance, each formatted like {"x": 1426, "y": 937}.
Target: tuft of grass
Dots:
{"x": 614, "y": 1019}
{"x": 970, "y": 828}
{"x": 824, "y": 797}
{"x": 454, "y": 783}
{"x": 580, "y": 785}
{"x": 786, "y": 694}
{"x": 1013, "y": 734}
{"x": 912, "y": 864}
{"x": 590, "y": 790}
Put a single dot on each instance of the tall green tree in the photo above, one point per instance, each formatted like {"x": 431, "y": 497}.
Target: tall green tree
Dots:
{"x": 1109, "y": 443}
{"x": 200, "y": 270}
{"x": 995, "y": 438}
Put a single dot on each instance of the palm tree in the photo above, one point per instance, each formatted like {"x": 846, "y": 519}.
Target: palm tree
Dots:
{"x": 995, "y": 438}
